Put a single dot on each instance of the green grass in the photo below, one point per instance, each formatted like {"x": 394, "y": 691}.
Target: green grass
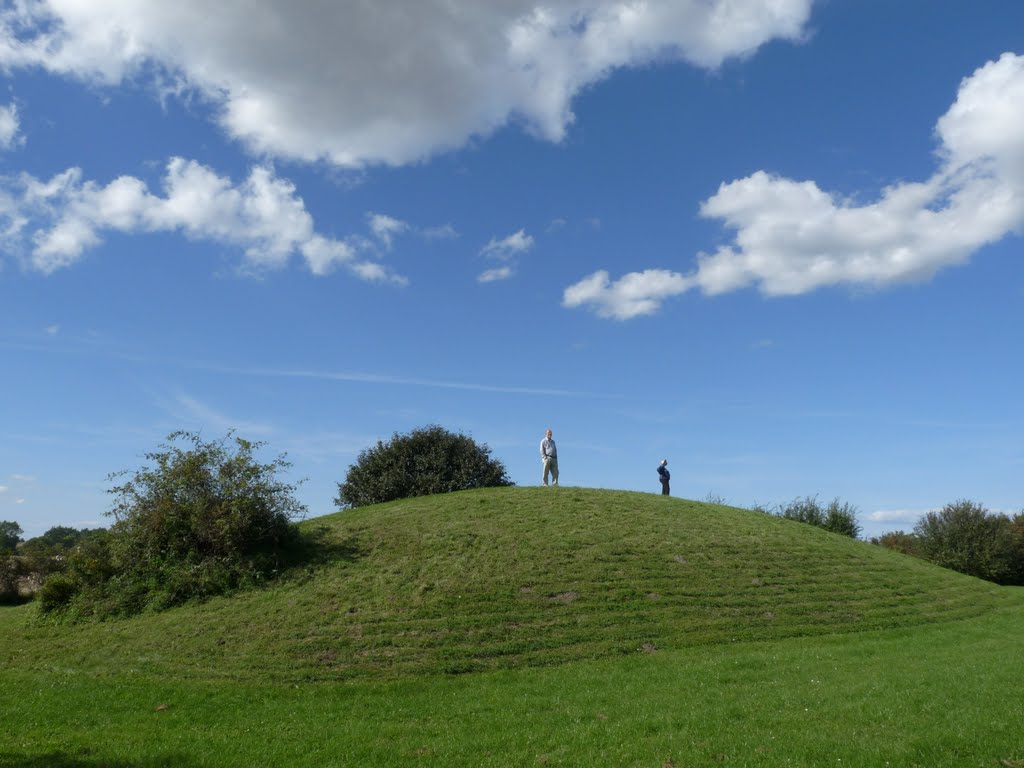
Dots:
{"x": 599, "y": 628}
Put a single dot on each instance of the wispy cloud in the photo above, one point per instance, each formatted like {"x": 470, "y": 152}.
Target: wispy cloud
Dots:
{"x": 184, "y": 401}
{"x": 375, "y": 378}
{"x": 10, "y": 127}
{"x": 508, "y": 247}
{"x": 498, "y": 273}
{"x": 324, "y": 447}
{"x": 187, "y": 409}
{"x": 506, "y": 250}
{"x": 385, "y": 228}
{"x": 443, "y": 232}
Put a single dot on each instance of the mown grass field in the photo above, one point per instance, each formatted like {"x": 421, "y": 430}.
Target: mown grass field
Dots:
{"x": 532, "y": 626}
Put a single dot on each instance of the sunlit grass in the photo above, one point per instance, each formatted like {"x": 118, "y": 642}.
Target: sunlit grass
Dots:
{"x": 597, "y": 628}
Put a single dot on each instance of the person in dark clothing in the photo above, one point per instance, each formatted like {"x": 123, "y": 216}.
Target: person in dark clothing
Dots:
{"x": 664, "y": 476}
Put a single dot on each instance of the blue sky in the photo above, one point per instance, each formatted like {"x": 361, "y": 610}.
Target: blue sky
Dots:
{"x": 775, "y": 241}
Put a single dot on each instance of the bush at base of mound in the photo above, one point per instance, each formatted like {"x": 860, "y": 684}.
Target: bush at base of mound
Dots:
{"x": 204, "y": 521}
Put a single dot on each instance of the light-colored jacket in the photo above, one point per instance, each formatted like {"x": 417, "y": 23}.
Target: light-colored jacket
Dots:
{"x": 548, "y": 449}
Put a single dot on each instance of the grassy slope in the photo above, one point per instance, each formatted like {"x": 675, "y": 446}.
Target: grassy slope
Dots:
{"x": 515, "y": 577}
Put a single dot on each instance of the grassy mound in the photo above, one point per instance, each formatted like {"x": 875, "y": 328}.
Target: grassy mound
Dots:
{"x": 513, "y": 577}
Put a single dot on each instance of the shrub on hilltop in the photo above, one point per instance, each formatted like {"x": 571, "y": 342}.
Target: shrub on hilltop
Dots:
{"x": 426, "y": 461}
{"x": 836, "y": 517}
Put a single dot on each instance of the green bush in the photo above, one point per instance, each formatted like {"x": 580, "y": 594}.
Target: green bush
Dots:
{"x": 428, "y": 460}
{"x": 10, "y": 571}
{"x": 57, "y": 592}
{"x": 841, "y": 519}
{"x": 966, "y": 537}
{"x": 806, "y": 510}
{"x": 202, "y": 521}
{"x": 836, "y": 517}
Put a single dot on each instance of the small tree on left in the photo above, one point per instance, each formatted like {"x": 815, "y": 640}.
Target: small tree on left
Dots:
{"x": 10, "y": 566}
{"x": 10, "y": 535}
{"x": 201, "y": 521}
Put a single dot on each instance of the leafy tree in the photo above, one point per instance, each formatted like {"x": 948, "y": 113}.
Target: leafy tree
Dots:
{"x": 426, "y": 461}
{"x": 1017, "y": 548}
{"x": 60, "y": 538}
{"x": 10, "y": 535}
{"x": 204, "y": 520}
{"x": 965, "y": 537}
{"x": 49, "y": 552}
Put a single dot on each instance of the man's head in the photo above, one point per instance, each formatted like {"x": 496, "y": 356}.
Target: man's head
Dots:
{"x": 548, "y": 434}
{"x": 664, "y": 462}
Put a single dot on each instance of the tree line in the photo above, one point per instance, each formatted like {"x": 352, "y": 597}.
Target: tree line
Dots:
{"x": 963, "y": 536}
{"x": 967, "y": 537}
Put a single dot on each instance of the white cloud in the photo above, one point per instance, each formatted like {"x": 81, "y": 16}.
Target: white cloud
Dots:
{"x": 63, "y": 217}
{"x": 9, "y": 127}
{"x": 792, "y": 237}
{"x": 3, "y": 489}
{"x": 493, "y": 275}
{"x": 635, "y": 294}
{"x": 505, "y": 250}
{"x": 384, "y": 82}
{"x": 891, "y": 517}
{"x": 385, "y": 228}
{"x": 508, "y": 247}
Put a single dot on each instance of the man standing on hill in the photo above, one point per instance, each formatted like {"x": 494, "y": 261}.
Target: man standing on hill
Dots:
{"x": 549, "y": 455}
{"x": 664, "y": 476}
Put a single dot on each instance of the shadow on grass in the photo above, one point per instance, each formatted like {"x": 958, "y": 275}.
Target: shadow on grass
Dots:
{"x": 65, "y": 760}
{"x": 319, "y": 545}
